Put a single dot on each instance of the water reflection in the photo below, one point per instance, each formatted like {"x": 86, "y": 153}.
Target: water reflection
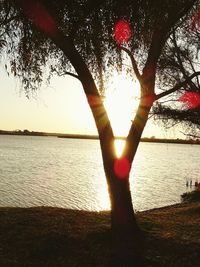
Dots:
{"x": 48, "y": 171}
{"x": 104, "y": 201}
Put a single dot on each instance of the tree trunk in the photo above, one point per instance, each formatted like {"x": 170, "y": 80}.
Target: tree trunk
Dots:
{"x": 127, "y": 238}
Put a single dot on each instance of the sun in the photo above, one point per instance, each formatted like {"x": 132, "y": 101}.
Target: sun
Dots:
{"x": 121, "y": 102}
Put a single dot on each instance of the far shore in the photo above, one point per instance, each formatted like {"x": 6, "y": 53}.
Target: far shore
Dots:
{"x": 95, "y": 137}
{"x": 49, "y": 236}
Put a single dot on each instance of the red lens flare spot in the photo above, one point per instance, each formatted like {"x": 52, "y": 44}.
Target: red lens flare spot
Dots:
{"x": 196, "y": 21}
{"x": 37, "y": 13}
{"x": 122, "y": 168}
{"x": 149, "y": 99}
{"x": 122, "y": 31}
{"x": 190, "y": 99}
{"x": 93, "y": 100}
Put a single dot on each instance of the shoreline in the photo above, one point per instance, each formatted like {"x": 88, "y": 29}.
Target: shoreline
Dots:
{"x": 87, "y": 211}
{"x": 95, "y": 137}
{"x": 90, "y": 211}
{"x": 107, "y": 212}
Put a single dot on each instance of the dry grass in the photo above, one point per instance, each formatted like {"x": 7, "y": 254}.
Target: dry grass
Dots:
{"x": 55, "y": 237}
{"x": 173, "y": 235}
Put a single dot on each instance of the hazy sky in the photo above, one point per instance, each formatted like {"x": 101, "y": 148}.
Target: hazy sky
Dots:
{"x": 62, "y": 107}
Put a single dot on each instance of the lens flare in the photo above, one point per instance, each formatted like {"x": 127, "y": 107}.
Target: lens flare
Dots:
{"x": 122, "y": 168}
{"x": 190, "y": 99}
{"x": 122, "y": 31}
{"x": 196, "y": 21}
{"x": 94, "y": 100}
{"x": 40, "y": 17}
{"x": 149, "y": 99}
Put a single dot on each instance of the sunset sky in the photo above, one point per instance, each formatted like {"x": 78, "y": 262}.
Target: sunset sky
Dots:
{"x": 62, "y": 107}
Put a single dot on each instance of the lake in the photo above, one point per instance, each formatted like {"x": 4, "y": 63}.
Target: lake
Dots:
{"x": 68, "y": 173}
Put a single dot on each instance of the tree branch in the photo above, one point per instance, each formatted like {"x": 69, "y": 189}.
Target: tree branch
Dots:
{"x": 190, "y": 135}
{"x": 180, "y": 63}
{"x": 94, "y": 98}
{"x": 133, "y": 61}
{"x": 66, "y": 73}
{"x": 167, "y": 101}
{"x": 136, "y": 131}
{"x": 158, "y": 40}
{"x": 193, "y": 69}
{"x": 70, "y": 74}
{"x": 172, "y": 125}
{"x": 177, "y": 86}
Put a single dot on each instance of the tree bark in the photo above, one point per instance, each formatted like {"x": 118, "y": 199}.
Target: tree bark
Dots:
{"x": 127, "y": 238}
{"x": 126, "y": 234}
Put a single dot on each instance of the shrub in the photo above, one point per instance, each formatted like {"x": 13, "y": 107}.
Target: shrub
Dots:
{"x": 191, "y": 196}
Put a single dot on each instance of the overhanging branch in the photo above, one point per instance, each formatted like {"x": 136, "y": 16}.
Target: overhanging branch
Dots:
{"x": 180, "y": 63}
{"x": 177, "y": 86}
{"x": 190, "y": 135}
{"x": 66, "y": 73}
{"x": 159, "y": 37}
{"x": 70, "y": 74}
{"x": 133, "y": 61}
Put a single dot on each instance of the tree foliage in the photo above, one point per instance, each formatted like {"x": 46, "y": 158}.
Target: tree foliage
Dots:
{"x": 178, "y": 63}
{"x": 90, "y": 26}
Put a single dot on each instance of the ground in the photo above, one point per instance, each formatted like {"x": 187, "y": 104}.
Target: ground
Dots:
{"x": 55, "y": 237}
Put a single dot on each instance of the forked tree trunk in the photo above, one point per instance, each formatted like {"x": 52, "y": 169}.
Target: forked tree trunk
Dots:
{"x": 127, "y": 237}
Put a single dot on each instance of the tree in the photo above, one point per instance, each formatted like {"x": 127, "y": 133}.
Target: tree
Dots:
{"x": 184, "y": 61}
{"x": 75, "y": 37}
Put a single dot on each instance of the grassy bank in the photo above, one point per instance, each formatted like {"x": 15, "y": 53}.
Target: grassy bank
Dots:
{"x": 57, "y": 237}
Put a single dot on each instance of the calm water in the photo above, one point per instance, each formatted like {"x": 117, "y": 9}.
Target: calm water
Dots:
{"x": 51, "y": 171}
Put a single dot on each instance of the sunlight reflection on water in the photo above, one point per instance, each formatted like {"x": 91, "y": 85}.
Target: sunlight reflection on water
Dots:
{"x": 68, "y": 173}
